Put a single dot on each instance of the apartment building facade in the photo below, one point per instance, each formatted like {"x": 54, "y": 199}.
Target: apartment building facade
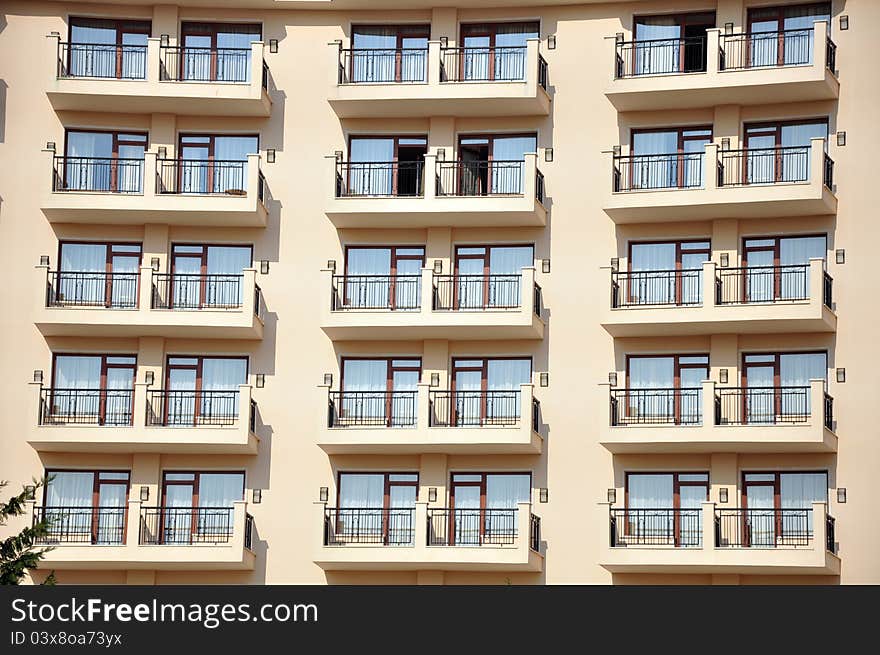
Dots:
{"x": 384, "y": 292}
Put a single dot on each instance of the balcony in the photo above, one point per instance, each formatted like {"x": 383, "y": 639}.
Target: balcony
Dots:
{"x": 714, "y": 418}
{"x": 742, "y": 184}
{"x": 78, "y": 304}
{"x": 752, "y": 69}
{"x": 405, "y": 194}
{"x": 411, "y": 307}
{"x": 144, "y": 420}
{"x": 756, "y": 300}
{"x": 438, "y": 81}
{"x": 432, "y": 421}
{"x": 155, "y": 538}
{"x": 428, "y": 539}
{"x": 154, "y": 190}
{"x": 714, "y": 539}
{"x": 157, "y": 79}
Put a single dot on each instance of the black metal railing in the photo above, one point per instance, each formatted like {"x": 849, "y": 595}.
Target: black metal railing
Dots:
{"x": 538, "y": 300}
{"x": 673, "y": 406}
{"x": 202, "y": 177}
{"x": 184, "y": 526}
{"x": 372, "y": 409}
{"x": 86, "y": 406}
{"x": 187, "y": 64}
{"x": 475, "y": 292}
{"x": 82, "y": 525}
{"x": 661, "y": 57}
{"x": 385, "y": 526}
{"x": 762, "y": 405}
{"x": 830, "y": 539}
{"x": 252, "y": 417}
{"x": 539, "y": 186}
{"x": 683, "y": 170}
{"x": 383, "y": 65}
{"x": 92, "y": 289}
{"x": 827, "y": 290}
{"x": 104, "y": 61}
{"x": 457, "y": 409}
{"x": 762, "y": 284}
{"x": 264, "y": 82}
{"x": 536, "y": 415}
{"x": 248, "y": 531}
{"x": 671, "y": 287}
{"x": 829, "y": 411}
{"x": 481, "y": 178}
{"x": 763, "y": 528}
{"x": 483, "y": 64}
{"x": 391, "y": 292}
{"x": 195, "y": 291}
{"x": 262, "y": 193}
{"x": 190, "y": 408}
{"x": 679, "y": 527}
{"x": 830, "y": 55}
{"x": 380, "y": 179}
{"x": 472, "y": 527}
{"x": 258, "y": 301}
{"x": 98, "y": 174}
{"x": 764, "y": 166}
{"x": 828, "y": 172}
{"x": 766, "y": 49}
{"x": 543, "y": 74}
{"x": 535, "y": 533}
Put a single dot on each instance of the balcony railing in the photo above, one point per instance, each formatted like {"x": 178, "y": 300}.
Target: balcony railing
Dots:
{"x": 380, "y": 179}
{"x": 538, "y": 302}
{"x": 830, "y": 57}
{"x": 347, "y": 526}
{"x": 390, "y": 292}
{"x": 767, "y": 49}
{"x": 672, "y": 406}
{"x": 457, "y": 409}
{"x": 202, "y": 177}
{"x": 543, "y": 74}
{"x": 82, "y": 525}
{"x": 762, "y": 284}
{"x": 483, "y": 64}
{"x": 372, "y": 409}
{"x": 679, "y": 527}
{"x": 190, "y": 408}
{"x": 684, "y": 170}
{"x": 477, "y": 292}
{"x": 383, "y": 65}
{"x": 535, "y": 533}
{"x": 483, "y": 178}
{"x": 102, "y": 61}
{"x": 764, "y": 166}
{"x": 187, "y": 64}
{"x": 661, "y": 57}
{"x": 765, "y": 405}
{"x": 105, "y": 407}
{"x": 648, "y": 288}
{"x": 92, "y": 289}
{"x": 185, "y": 526}
{"x": 827, "y": 290}
{"x": 195, "y": 291}
{"x": 472, "y": 527}
{"x": 828, "y": 172}
{"x": 763, "y": 528}
{"x": 98, "y": 174}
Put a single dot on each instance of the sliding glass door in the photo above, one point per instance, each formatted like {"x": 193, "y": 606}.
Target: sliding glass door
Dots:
{"x": 217, "y": 52}
{"x": 378, "y": 392}
{"x": 198, "y": 506}
{"x": 377, "y": 508}
{"x": 490, "y": 276}
{"x": 91, "y": 389}
{"x": 106, "y": 48}
{"x": 213, "y": 164}
{"x": 86, "y": 506}
{"x": 382, "y": 278}
{"x": 203, "y": 390}
{"x": 487, "y": 391}
{"x": 666, "y": 273}
{"x": 665, "y": 389}
{"x": 783, "y": 36}
{"x": 385, "y": 166}
{"x": 493, "y": 165}
{"x": 495, "y": 51}
{"x": 673, "y": 43}
{"x": 207, "y": 276}
{"x": 484, "y": 507}
{"x": 389, "y": 53}
{"x": 665, "y": 508}
{"x": 103, "y": 161}
{"x": 778, "y": 385}
{"x": 96, "y": 275}
{"x": 778, "y": 507}
{"x": 668, "y": 159}
{"x": 780, "y": 152}
{"x": 777, "y": 268}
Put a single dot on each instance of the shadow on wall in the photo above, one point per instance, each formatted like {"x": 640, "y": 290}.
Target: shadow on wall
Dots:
{"x": 3, "y": 87}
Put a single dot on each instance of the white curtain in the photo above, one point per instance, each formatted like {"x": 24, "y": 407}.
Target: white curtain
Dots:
{"x": 366, "y": 282}
{"x": 82, "y": 289}
{"x": 88, "y": 164}
{"x": 508, "y": 163}
{"x": 231, "y": 169}
{"x": 234, "y": 54}
{"x": 224, "y": 376}
{"x": 506, "y": 375}
{"x": 657, "y": 46}
{"x": 79, "y": 380}
{"x": 796, "y": 163}
{"x": 361, "y": 503}
{"x": 217, "y": 492}
{"x": 794, "y": 258}
{"x": 507, "y": 263}
{"x": 367, "y": 384}
{"x": 111, "y": 516}
{"x": 371, "y": 167}
{"x": 652, "y": 277}
{"x": 798, "y": 491}
{"x": 503, "y": 493}
{"x": 645, "y": 374}
{"x": 70, "y": 489}
{"x": 796, "y": 370}
{"x": 510, "y": 53}
{"x": 375, "y": 56}
{"x": 92, "y": 50}
{"x": 652, "y": 494}
{"x": 224, "y": 286}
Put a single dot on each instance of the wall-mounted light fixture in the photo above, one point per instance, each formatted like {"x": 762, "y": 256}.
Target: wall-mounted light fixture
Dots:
{"x": 441, "y": 154}
{"x": 270, "y": 155}
{"x": 44, "y": 260}
{"x": 54, "y": 33}
{"x": 551, "y": 42}
{"x": 543, "y": 495}
{"x": 841, "y": 138}
{"x": 722, "y": 375}
{"x": 615, "y": 263}
{"x": 258, "y": 496}
{"x": 435, "y": 379}
{"x": 38, "y": 376}
{"x": 264, "y": 267}
{"x": 328, "y": 379}
{"x": 841, "y": 495}
{"x": 725, "y": 260}
{"x": 611, "y": 495}
{"x": 331, "y": 264}
{"x": 722, "y": 495}
{"x": 149, "y": 377}
{"x": 612, "y": 378}
{"x": 544, "y": 379}
{"x": 144, "y": 493}
{"x": 438, "y": 266}
{"x": 616, "y": 151}
{"x": 840, "y": 256}
{"x": 323, "y": 494}
{"x": 30, "y": 492}
{"x": 163, "y": 152}
{"x": 261, "y": 380}
{"x": 50, "y": 145}
{"x": 338, "y": 154}
{"x": 444, "y": 41}
{"x": 728, "y": 28}
{"x": 545, "y": 265}
{"x": 154, "y": 263}
{"x": 619, "y": 37}
{"x": 273, "y": 45}
{"x": 164, "y": 40}
{"x": 432, "y": 494}
{"x": 844, "y": 22}
{"x": 841, "y": 374}
{"x": 548, "y": 154}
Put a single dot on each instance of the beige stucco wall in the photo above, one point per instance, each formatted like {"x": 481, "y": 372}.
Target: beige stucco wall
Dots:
{"x": 579, "y": 239}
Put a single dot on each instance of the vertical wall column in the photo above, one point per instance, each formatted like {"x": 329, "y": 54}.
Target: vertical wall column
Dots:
{"x": 146, "y": 471}
{"x": 166, "y": 21}
{"x": 433, "y": 473}
{"x": 444, "y": 22}
{"x": 724, "y": 353}
{"x": 727, "y": 125}
{"x": 725, "y": 239}
{"x": 730, "y": 11}
{"x": 435, "y": 359}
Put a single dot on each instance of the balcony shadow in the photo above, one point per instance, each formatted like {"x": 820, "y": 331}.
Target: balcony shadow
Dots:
{"x": 3, "y": 93}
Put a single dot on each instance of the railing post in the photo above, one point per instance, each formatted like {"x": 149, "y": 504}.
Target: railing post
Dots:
{"x": 253, "y": 174}
{"x": 150, "y": 175}
{"x": 816, "y": 281}
{"x": 711, "y": 167}
{"x": 530, "y": 74}
{"x": 426, "y": 301}
{"x": 713, "y": 50}
{"x": 145, "y": 289}
{"x": 244, "y": 408}
{"x": 257, "y": 67}
{"x": 133, "y": 524}
{"x": 249, "y": 290}
{"x": 708, "y": 404}
{"x": 331, "y": 169}
{"x": 817, "y": 403}
{"x": 527, "y": 291}
{"x": 154, "y": 62}
{"x": 420, "y": 525}
{"x": 37, "y": 390}
{"x": 434, "y": 62}
{"x": 50, "y": 169}
{"x": 708, "y": 526}
{"x": 708, "y": 280}
{"x": 41, "y": 277}
{"x": 430, "y": 175}
{"x": 139, "y": 405}
{"x": 530, "y": 169}
{"x": 820, "y": 47}
{"x": 611, "y": 57}
{"x": 53, "y": 44}
{"x": 526, "y": 392}
{"x": 239, "y": 512}
{"x": 817, "y": 164}
{"x": 423, "y": 402}
{"x": 820, "y": 537}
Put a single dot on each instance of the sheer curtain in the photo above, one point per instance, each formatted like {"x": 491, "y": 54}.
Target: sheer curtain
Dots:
{"x": 66, "y": 490}
{"x": 794, "y": 255}
{"x": 231, "y": 171}
{"x": 375, "y": 54}
{"x": 507, "y": 262}
{"x": 652, "y": 277}
{"x": 225, "y": 264}
{"x": 223, "y": 376}
{"x": 367, "y": 378}
{"x": 796, "y": 164}
{"x": 371, "y": 167}
{"x": 646, "y": 373}
{"x": 361, "y": 504}
{"x": 111, "y": 517}
{"x": 503, "y": 493}
{"x": 657, "y": 45}
{"x": 652, "y": 494}
{"x": 510, "y": 53}
{"x": 654, "y": 162}
{"x": 796, "y": 370}
{"x": 92, "y": 51}
{"x": 77, "y": 384}
{"x": 798, "y": 491}
{"x": 82, "y": 258}
{"x": 217, "y": 492}
{"x": 88, "y": 163}
{"x": 506, "y": 375}
{"x": 508, "y": 155}
{"x": 361, "y": 289}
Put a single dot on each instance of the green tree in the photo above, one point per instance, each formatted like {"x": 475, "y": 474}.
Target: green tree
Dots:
{"x": 17, "y": 553}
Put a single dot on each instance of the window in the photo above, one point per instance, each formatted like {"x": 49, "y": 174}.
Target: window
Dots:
{"x": 485, "y": 391}
{"x": 491, "y": 52}
{"x": 778, "y": 268}
{"x": 665, "y": 273}
{"x": 488, "y": 165}
{"x": 376, "y": 508}
{"x": 204, "y": 276}
{"x": 103, "y": 161}
{"x": 485, "y": 277}
{"x": 483, "y": 509}
{"x": 201, "y": 390}
{"x": 783, "y": 36}
{"x": 668, "y": 158}
{"x": 777, "y": 507}
{"x": 664, "y": 509}
{"x": 780, "y": 152}
{"x": 90, "y": 389}
{"x": 384, "y": 166}
{"x": 663, "y": 389}
{"x": 381, "y": 278}
{"x": 86, "y": 507}
{"x": 209, "y": 164}
{"x": 218, "y": 52}
{"x": 197, "y": 507}
{"x": 777, "y": 385}
{"x": 96, "y": 275}
{"x": 381, "y": 392}
{"x": 106, "y": 48}
{"x": 673, "y": 43}
{"x": 388, "y": 53}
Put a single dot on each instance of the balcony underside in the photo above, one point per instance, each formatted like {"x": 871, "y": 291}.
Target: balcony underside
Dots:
{"x": 202, "y": 557}
{"x": 513, "y": 211}
{"x": 196, "y": 324}
{"x": 445, "y": 558}
{"x": 451, "y": 441}
{"x": 110, "y": 439}
{"x": 743, "y": 561}
{"x": 673, "y": 439}
{"x": 404, "y": 326}
{"x": 759, "y": 201}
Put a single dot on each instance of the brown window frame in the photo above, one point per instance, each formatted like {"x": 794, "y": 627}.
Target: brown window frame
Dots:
{"x": 680, "y": 152}
{"x": 484, "y": 380}
{"x": 96, "y": 494}
{"x": 677, "y": 484}
{"x": 684, "y": 20}
{"x": 482, "y": 484}
{"x": 389, "y": 377}
{"x": 195, "y": 28}
{"x": 108, "y": 262}
{"x": 679, "y": 251}
{"x": 486, "y": 257}
{"x": 777, "y": 374}
{"x": 194, "y": 483}
{"x": 395, "y": 257}
{"x": 122, "y": 25}
{"x": 198, "y": 368}
{"x": 203, "y": 267}
{"x": 386, "y": 495}
{"x": 780, "y": 24}
{"x": 105, "y": 366}
{"x": 775, "y": 249}
{"x": 490, "y": 153}
{"x": 489, "y": 29}
{"x": 774, "y": 128}
{"x": 396, "y": 139}
{"x": 114, "y": 156}
{"x": 776, "y": 483}
{"x": 416, "y": 31}
{"x": 676, "y": 378}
